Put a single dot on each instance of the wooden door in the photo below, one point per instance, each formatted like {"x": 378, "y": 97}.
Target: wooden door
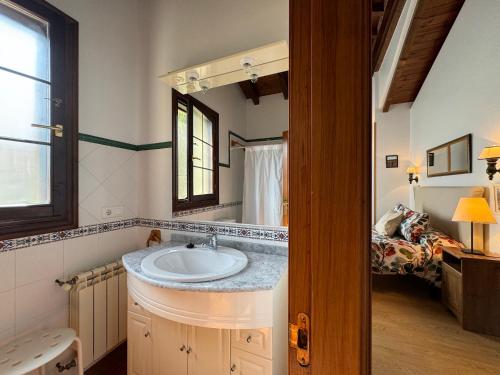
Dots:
{"x": 244, "y": 363}
{"x": 170, "y": 347}
{"x": 139, "y": 345}
{"x": 209, "y": 351}
{"x": 329, "y": 154}
{"x": 285, "y": 179}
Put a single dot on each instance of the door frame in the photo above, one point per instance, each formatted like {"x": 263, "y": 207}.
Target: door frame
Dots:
{"x": 330, "y": 182}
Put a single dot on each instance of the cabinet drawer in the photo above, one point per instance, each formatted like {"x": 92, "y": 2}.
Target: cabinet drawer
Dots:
{"x": 452, "y": 290}
{"x": 256, "y": 341}
{"x": 244, "y": 363}
{"x": 136, "y": 308}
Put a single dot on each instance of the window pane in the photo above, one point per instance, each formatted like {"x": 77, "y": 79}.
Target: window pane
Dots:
{"x": 182, "y": 155}
{"x": 207, "y": 156}
{"x": 22, "y": 102}
{"x": 207, "y": 181}
{"x": 197, "y": 153}
{"x": 197, "y": 181}
{"x": 207, "y": 130}
{"x": 197, "y": 123}
{"x": 24, "y": 41}
{"x": 24, "y": 174}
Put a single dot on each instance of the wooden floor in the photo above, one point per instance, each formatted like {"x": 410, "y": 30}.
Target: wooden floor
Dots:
{"x": 115, "y": 363}
{"x": 413, "y": 333}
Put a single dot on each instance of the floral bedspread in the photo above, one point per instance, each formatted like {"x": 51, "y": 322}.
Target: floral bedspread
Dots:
{"x": 392, "y": 255}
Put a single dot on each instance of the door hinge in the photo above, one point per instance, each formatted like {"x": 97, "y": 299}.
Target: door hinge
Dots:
{"x": 299, "y": 338}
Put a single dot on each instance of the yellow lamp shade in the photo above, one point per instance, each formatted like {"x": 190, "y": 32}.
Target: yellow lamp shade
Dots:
{"x": 491, "y": 152}
{"x": 474, "y": 210}
{"x": 412, "y": 170}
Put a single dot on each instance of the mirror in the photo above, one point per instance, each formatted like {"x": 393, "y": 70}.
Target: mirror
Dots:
{"x": 450, "y": 158}
{"x": 230, "y": 135}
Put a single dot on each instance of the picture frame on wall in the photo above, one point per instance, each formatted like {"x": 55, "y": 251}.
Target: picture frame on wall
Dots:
{"x": 391, "y": 161}
{"x": 496, "y": 197}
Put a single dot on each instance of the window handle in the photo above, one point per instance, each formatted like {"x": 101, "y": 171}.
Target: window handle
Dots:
{"x": 57, "y": 101}
{"x": 196, "y": 158}
{"x": 58, "y": 129}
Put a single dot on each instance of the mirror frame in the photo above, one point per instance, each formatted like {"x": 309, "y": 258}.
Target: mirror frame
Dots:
{"x": 468, "y": 139}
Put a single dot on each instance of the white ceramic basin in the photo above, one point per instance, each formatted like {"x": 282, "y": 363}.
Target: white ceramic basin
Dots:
{"x": 194, "y": 265}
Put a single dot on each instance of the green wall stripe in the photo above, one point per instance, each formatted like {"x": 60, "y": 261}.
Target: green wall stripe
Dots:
{"x": 106, "y": 142}
{"x": 127, "y": 146}
{"x": 265, "y": 139}
{"x": 154, "y": 146}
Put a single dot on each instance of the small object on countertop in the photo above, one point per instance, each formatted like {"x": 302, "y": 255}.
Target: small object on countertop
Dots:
{"x": 190, "y": 245}
{"x": 154, "y": 238}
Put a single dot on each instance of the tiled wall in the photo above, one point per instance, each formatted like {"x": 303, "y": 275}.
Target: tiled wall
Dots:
{"x": 30, "y": 298}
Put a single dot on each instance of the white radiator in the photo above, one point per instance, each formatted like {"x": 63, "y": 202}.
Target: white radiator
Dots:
{"x": 98, "y": 310}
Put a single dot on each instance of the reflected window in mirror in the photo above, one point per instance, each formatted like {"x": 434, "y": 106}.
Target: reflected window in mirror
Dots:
{"x": 195, "y": 153}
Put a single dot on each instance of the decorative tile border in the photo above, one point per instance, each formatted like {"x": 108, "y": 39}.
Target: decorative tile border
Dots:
{"x": 39, "y": 239}
{"x": 225, "y": 229}
{"x": 206, "y": 209}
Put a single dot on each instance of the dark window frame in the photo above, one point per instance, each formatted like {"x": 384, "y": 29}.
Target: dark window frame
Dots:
{"x": 62, "y": 212}
{"x": 194, "y": 201}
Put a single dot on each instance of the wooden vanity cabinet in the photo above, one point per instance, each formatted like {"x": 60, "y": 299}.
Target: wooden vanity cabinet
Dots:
{"x": 139, "y": 346}
{"x": 158, "y": 346}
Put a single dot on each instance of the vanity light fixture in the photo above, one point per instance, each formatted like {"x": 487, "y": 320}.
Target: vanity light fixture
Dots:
{"x": 491, "y": 154}
{"x": 411, "y": 172}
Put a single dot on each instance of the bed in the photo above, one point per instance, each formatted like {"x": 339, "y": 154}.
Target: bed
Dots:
{"x": 422, "y": 256}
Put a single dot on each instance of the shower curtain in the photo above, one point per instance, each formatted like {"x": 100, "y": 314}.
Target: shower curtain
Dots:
{"x": 262, "y": 186}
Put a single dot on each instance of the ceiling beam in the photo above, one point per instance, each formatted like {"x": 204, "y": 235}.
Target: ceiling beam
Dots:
{"x": 392, "y": 13}
{"x": 250, "y": 90}
{"x": 283, "y": 76}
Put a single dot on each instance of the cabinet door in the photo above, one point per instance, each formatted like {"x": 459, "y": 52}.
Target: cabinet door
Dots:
{"x": 139, "y": 345}
{"x": 243, "y": 363}
{"x": 170, "y": 347}
{"x": 452, "y": 290}
{"x": 209, "y": 351}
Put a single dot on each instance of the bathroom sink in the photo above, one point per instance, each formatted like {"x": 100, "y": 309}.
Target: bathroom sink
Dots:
{"x": 194, "y": 265}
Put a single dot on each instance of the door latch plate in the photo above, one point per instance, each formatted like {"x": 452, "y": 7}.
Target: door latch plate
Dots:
{"x": 299, "y": 338}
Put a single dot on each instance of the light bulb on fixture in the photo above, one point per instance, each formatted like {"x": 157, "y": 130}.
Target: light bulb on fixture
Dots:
{"x": 254, "y": 77}
{"x": 193, "y": 76}
{"x": 204, "y": 86}
{"x": 247, "y": 63}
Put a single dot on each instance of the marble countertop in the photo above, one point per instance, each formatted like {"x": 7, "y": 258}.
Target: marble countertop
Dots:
{"x": 263, "y": 272}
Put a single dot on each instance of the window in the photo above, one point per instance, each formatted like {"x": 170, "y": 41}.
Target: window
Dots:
{"x": 195, "y": 153}
{"x": 38, "y": 88}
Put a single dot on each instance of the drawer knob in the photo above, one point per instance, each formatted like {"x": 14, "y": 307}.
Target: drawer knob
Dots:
{"x": 147, "y": 334}
{"x": 233, "y": 368}
{"x": 249, "y": 338}
{"x": 182, "y": 348}
{"x": 136, "y": 304}
{"x": 189, "y": 350}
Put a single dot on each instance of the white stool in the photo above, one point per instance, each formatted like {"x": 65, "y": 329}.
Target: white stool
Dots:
{"x": 34, "y": 351}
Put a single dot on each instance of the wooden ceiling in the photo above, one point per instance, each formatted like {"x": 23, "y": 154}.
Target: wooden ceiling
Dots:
{"x": 431, "y": 23}
{"x": 267, "y": 85}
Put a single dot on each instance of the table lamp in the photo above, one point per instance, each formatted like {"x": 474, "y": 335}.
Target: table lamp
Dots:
{"x": 473, "y": 211}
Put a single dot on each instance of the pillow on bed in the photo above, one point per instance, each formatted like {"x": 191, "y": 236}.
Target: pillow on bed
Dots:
{"x": 413, "y": 224}
{"x": 389, "y": 223}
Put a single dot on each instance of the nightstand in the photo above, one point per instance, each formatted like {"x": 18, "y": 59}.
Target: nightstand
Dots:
{"x": 471, "y": 290}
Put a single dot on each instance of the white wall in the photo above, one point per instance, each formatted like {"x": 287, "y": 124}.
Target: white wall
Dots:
{"x": 109, "y": 107}
{"x": 461, "y": 95}
{"x": 392, "y": 137}
{"x": 267, "y": 119}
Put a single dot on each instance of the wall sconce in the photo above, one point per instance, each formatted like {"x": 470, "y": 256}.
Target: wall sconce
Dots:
{"x": 411, "y": 172}
{"x": 491, "y": 154}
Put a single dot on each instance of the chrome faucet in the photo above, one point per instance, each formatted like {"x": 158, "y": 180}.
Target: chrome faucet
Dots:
{"x": 212, "y": 242}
